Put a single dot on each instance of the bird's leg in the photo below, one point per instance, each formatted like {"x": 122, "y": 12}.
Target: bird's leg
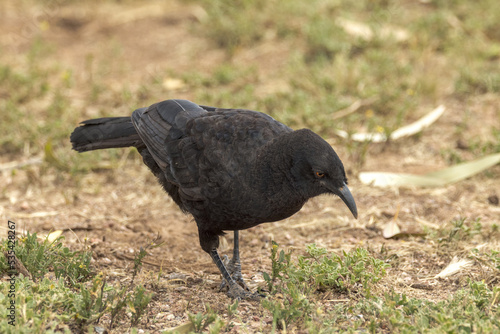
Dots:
{"x": 235, "y": 291}
{"x": 234, "y": 265}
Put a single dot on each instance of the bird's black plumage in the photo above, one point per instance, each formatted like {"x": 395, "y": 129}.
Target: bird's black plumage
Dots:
{"x": 232, "y": 169}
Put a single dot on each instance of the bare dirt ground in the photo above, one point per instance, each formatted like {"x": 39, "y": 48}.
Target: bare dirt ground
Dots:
{"x": 122, "y": 209}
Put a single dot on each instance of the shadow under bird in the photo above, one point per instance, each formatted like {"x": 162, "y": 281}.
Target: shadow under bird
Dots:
{"x": 231, "y": 169}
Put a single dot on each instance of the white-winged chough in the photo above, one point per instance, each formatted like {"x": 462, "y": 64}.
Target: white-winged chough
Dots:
{"x": 232, "y": 169}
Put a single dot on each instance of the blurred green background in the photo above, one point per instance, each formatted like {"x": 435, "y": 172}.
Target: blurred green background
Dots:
{"x": 299, "y": 61}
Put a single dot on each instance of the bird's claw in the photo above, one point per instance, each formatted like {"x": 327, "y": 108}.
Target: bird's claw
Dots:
{"x": 234, "y": 269}
{"x": 240, "y": 282}
{"x": 237, "y": 292}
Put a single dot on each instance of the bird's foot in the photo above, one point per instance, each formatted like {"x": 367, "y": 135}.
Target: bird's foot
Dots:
{"x": 237, "y": 292}
{"x": 234, "y": 269}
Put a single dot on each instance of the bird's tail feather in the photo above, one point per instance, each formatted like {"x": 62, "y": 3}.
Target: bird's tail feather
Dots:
{"x": 108, "y": 132}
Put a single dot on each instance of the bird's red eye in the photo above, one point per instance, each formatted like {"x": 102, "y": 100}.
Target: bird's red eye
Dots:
{"x": 320, "y": 175}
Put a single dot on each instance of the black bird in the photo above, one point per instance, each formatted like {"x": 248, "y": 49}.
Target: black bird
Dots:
{"x": 232, "y": 169}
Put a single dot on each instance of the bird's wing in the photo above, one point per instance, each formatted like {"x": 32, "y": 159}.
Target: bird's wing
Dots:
{"x": 162, "y": 122}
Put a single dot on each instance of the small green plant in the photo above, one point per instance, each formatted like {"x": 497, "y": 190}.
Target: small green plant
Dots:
{"x": 70, "y": 298}
{"x": 461, "y": 230}
{"x": 473, "y": 309}
{"x": 495, "y": 258}
{"x": 139, "y": 256}
{"x": 280, "y": 262}
{"x": 295, "y": 306}
{"x": 318, "y": 270}
{"x": 136, "y": 301}
{"x": 489, "y": 258}
{"x": 296, "y": 282}
{"x": 138, "y": 304}
{"x": 41, "y": 257}
{"x": 92, "y": 304}
{"x": 356, "y": 267}
{"x": 206, "y": 321}
{"x": 118, "y": 301}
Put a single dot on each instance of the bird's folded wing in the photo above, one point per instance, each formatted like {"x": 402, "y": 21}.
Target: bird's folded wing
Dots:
{"x": 162, "y": 122}
{"x": 153, "y": 131}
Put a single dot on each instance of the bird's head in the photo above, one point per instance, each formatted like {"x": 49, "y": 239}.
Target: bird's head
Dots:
{"x": 316, "y": 169}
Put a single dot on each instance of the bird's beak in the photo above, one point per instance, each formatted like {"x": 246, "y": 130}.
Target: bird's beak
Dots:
{"x": 346, "y": 196}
